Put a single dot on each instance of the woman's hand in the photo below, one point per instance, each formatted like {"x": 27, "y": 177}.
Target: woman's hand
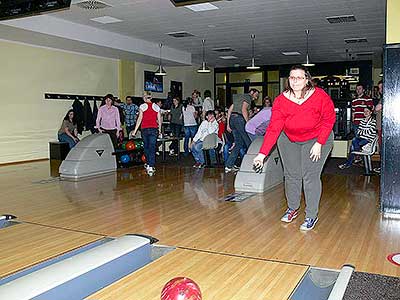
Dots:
{"x": 258, "y": 161}
{"x": 315, "y": 152}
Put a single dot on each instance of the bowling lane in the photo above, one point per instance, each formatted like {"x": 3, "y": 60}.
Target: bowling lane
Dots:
{"x": 24, "y": 245}
{"x": 220, "y": 277}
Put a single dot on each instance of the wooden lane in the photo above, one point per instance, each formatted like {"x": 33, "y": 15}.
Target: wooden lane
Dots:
{"x": 181, "y": 207}
{"x": 24, "y": 245}
{"x": 220, "y": 277}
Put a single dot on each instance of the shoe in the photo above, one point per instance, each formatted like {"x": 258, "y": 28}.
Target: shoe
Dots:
{"x": 357, "y": 160}
{"x": 290, "y": 215}
{"x": 232, "y": 169}
{"x": 377, "y": 170}
{"x": 171, "y": 152}
{"x": 343, "y": 166}
{"x": 236, "y": 168}
{"x": 197, "y": 165}
{"x": 308, "y": 224}
{"x": 146, "y": 166}
{"x": 150, "y": 171}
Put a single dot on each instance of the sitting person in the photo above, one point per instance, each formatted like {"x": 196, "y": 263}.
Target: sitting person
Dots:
{"x": 366, "y": 133}
{"x": 69, "y": 132}
{"x": 258, "y": 124}
{"x": 207, "y": 127}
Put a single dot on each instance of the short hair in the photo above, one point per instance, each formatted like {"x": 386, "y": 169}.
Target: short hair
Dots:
{"x": 207, "y": 93}
{"x": 128, "y": 97}
{"x": 210, "y": 112}
{"x": 370, "y": 108}
{"x": 254, "y": 90}
{"x": 109, "y": 96}
{"x": 359, "y": 84}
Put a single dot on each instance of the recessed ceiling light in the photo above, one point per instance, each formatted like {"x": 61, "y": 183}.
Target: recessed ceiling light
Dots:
{"x": 290, "y": 53}
{"x": 228, "y": 57}
{"x": 106, "y": 20}
{"x": 202, "y": 7}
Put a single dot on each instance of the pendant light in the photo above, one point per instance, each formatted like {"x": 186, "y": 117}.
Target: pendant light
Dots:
{"x": 307, "y": 63}
{"x": 160, "y": 70}
{"x": 253, "y": 60}
{"x": 204, "y": 68}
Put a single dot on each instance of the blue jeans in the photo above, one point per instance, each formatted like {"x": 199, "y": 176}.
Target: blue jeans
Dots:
{"x": 149, "y": 136}
{"x": 225, "y": 151}
{"x": 176, "y": 132}
{"x": 242, "y": 140}
{"x": 197, "y": 152}
{"x": 356, "y": 145}
{"x": 63, "y": 137}
{"x": 190, "y": 132}
{"x": 354, "y": 127}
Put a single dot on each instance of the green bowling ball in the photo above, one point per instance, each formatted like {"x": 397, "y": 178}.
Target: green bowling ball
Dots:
{"x": 123, "y": 146}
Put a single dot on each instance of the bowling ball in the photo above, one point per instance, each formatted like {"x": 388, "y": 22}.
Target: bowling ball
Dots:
{"x": 125, "y": 158}
{"x": 181, "y": 288}
{"x": 144, "y": 160}
{"x": 130, "y": 145}
{"x": 139, "y": 144}
{"x": 123, "y": 146}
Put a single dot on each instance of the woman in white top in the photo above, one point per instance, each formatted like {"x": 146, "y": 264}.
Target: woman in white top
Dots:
{"x": 207, "y": 127}
{"x": 189, "y": 122}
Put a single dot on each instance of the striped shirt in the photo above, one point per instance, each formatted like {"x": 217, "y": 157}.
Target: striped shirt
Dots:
{"x": 357, "y": 108}
{"x": 367, "y": 129}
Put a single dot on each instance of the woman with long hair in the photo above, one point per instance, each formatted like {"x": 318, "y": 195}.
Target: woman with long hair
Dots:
{"x": 68, "y": 131}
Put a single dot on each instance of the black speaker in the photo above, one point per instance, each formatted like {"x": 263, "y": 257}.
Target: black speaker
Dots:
{"x": 190, "y": 2}
{"x": 12, "y": 9}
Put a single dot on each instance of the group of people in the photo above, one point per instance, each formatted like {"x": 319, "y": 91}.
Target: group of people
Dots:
{"x": 300, "y": 122}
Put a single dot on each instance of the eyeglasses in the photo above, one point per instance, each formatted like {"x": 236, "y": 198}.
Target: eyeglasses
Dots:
{"x": 298, "y": 78}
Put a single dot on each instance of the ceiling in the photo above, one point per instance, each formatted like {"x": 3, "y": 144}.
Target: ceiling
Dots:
{"x": 279, "y": 25}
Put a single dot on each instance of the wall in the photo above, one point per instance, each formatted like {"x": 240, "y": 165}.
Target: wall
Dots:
{"x": 126, "y": 85}
{"x": 186, "y": 74}
{"x": 392, "y": 21}
{"x": 29, "y": 121}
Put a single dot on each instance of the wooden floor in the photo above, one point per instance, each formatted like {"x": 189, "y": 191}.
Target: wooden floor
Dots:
{"x": 182, "y": 207}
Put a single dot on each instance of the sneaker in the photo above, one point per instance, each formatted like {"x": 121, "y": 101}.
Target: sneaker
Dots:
{"x": 146, "y": 166}
{"x": 171, "y": 152}
{"x": 232, "y": 169}
{"x": 308, "y": 224}
{"x": 197, "y": 165}
{"x": 290, "y": 215}
{"x": 150, "y": 171}
{"x": 357, "y": 160}
{"x": 343, "y": 166}
{"x": 236, "y": 168}
{"x": 377, "y": 170}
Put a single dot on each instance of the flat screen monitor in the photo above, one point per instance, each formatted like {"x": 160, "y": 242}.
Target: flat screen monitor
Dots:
{"x": 152, "y": 82}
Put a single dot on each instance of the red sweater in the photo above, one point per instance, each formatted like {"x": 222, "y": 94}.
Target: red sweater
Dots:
{"x": 312, "y": 119}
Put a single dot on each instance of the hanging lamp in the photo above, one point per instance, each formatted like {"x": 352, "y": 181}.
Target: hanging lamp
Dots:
{"x": 160, "y": 70}
{"x": 203, "y": 68}
{"x": 307, "y": 63}
{"x": 253, "y": 60}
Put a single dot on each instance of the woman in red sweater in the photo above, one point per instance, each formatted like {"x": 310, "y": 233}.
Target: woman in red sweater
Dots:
{"x": 302, "y": 120}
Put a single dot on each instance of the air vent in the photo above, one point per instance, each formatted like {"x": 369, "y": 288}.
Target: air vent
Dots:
{"x": 223, "y": 49}
{"x": 355, "y": 40}
{"x": 341, "y": 19}
{"x": 180, "y": 34}
{"x": 366, "y": 53}
{"x": 290, "y": 53}
{"x": 92, "y": 5}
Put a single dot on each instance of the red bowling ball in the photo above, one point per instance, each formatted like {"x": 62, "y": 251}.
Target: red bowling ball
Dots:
{"x": 181, "y": 288}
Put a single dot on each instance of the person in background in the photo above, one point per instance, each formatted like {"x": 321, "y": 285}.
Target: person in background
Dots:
{"x": 150, "y": 121}
{"x": 176, "y": 124}
{"x": 130, "y": 111}
{"x": 189, "y": 123}
{"x": 68, "y": 131}
{"x": 378, "y": 114}
{"x": 108, "y": 119}
{"x": 358, "y": 104}
{"x": 208, "y": 103}
{"x": 257, "y": 125}
{"x": 197, "y": 101}
{"x": 238, "y": 115}
{"x": 207, "y": 127}
{"x": 302, "y": 121}
{"x": 366, "y": 134}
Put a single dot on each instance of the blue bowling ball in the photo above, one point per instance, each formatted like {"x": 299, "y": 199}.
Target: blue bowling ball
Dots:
{"x": 125, "y": 158}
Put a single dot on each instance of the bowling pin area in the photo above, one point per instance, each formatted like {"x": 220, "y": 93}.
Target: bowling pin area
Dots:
{"x": 124, "y": 235}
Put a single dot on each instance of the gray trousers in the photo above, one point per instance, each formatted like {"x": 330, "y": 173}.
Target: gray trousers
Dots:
{"x": 300, "y": 171}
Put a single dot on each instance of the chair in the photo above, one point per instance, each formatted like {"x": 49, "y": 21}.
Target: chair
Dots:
{"x": 366, "y": 152}
{"x": 210, "y": 142}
